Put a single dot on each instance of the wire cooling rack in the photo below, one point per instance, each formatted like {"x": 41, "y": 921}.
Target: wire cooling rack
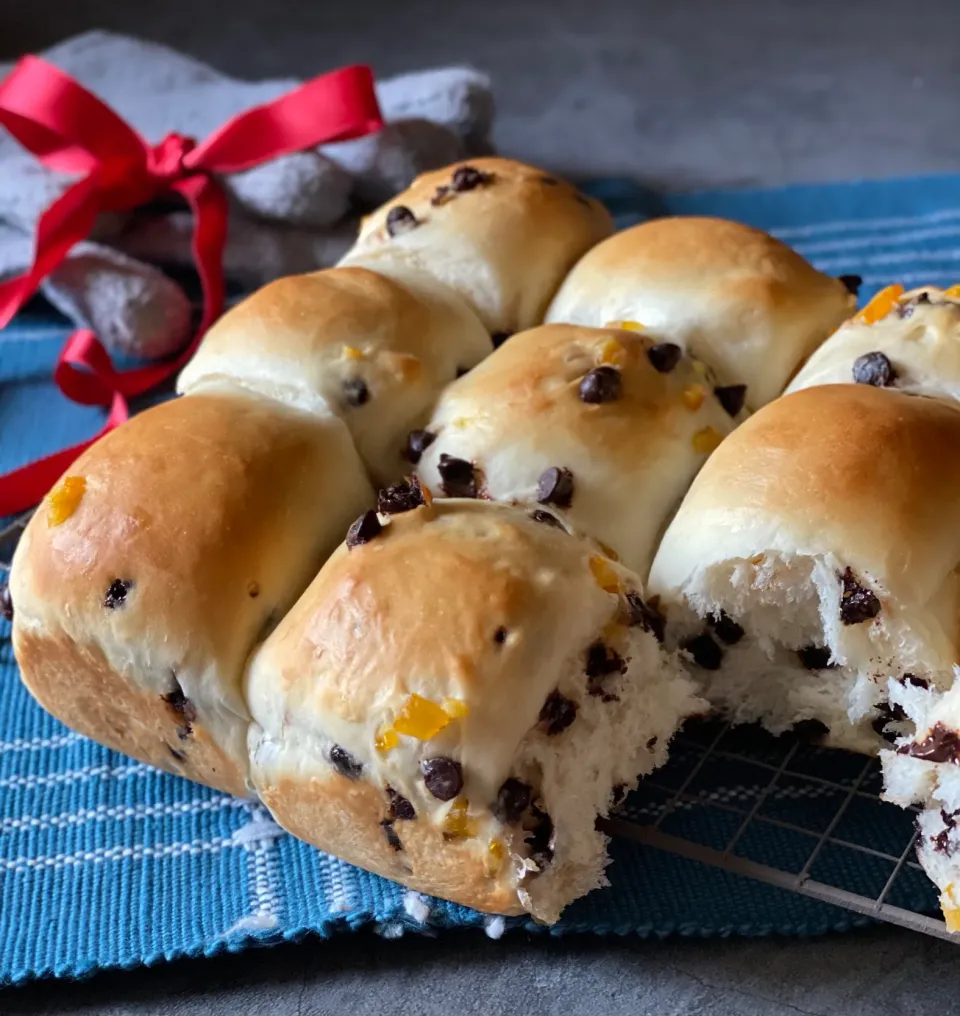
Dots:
{"x": 788, "y": 813}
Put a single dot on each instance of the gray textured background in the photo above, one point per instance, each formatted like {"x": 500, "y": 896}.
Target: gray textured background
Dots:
{"x": 684, "y": 94}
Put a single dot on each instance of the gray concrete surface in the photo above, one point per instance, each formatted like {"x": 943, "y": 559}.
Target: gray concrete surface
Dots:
{"x": 685, "y": 94}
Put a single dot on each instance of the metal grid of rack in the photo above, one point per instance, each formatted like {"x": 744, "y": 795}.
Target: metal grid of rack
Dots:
{"x": 788, "y": 813}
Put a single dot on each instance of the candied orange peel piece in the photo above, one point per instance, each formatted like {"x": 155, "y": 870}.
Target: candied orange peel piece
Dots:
{"x": 881, "y": 305}
{"x": 706, "y": 440}
{"x": 386, "y": 739}
{"x": 626, "y": 326}
{"x": 64, "y": 499}
{"x": 606, "y": 577}
{"x": 457, "y": 823}
{"x": 352, "y": 353}
{"x": 494, "y": 859}
{"x": 953, "y": 291}
{"x": 692, "y": 397}
{"x": 420, "y": 718}
{"x": 613, "y": 353}
{"x": 455, "y": 708}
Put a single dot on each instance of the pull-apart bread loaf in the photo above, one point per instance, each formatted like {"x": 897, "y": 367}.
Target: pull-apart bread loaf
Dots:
{"x": 499, "y": 234}
{"x": 605, "y": 426}
{"x": 907, "y": 341}
{"x": 459, "y": 694}
{"x": 744, "y": 303}
{"x": 816, "y": 557}
{"x": 172, "y": 546}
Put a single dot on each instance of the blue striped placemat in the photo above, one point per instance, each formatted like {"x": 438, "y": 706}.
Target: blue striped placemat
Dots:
{"x": 105, "y": 862}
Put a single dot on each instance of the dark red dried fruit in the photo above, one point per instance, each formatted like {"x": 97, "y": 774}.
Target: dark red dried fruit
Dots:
{"x": 602, "y": 662}
{"x": 857, "y": 603}
{"x": 919, "y": 682}
{"x": 401, "y": 497}
{"x": 513, "y": 799}
{"x": 345, "y": 763}
{"x": 705, "y": 652}
{"x": 366, "y": 528}
{"x": 400, "y": 807}
{"x": 645, "y": 616}
{"x": 558, "y": 713}
{"x": 555, "y": 486}
{"x": 117, "y": 593}
{"x": 418, "y": 441}
{"x": 602, "y": 384}
{"x": 888, "y": 713}
{"x": 941, "y": 745}
{"x": 725, "y": 628}
{"x": 443, "y": 777}
{"x": 183, "y": 709}
{"x": 457, "y": 477}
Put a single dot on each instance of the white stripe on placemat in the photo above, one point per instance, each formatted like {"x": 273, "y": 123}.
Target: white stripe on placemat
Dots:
{"x": 104, "y": 772}
{"x": 19, "y": 744}
{"x": 859, "y": 225}
{"x": 100, "y": 855}
{"x": 107, "y": 813}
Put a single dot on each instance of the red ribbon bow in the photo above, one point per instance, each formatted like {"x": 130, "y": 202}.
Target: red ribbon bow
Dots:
{"x": 69, "y": 129}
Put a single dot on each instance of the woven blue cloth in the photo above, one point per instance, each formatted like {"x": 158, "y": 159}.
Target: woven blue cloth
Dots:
{"x": 105, "y": 862}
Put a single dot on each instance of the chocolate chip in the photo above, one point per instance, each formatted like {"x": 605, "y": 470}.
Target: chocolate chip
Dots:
{"x": 815, "y": 657}
{"x": 364, "y": 529}
{"x": 852, "y": 282}
{"x": 355, "y": 392}
{"x": 558, "y": 713}
{"x": 940, "y": 745}
{"x": 6, "y": 602}
{"x": 550, "y": 181}
{"x": 857, "y": 604}
{"x": 602, "y": 384}
{"x": 513, "y": 799}
{"x": 400, "y": 807}
{"x": 117, "y": 593}
{"x": 499, "y": 338}
{"x": 540, "y": 849}
{"x": 443, "y": 777}
{"x": 555, "y": 486}
{"x": 393, "y": 839}
{"x": 941, "y": 841}
{"x": 253, "y": 590}
{"x": 645, "y": 616}
{"x": 664, "y": 356}
{"x": 923, "y": 297}
{"x": 400, "y": 220}
{"x": 602, "y": 661}
{"x": 725, "y": 628}
{"x": 874, "y": 369}
{"x": 538, "y": 515}
{"x": 810, "y": 730}
{"x": 705, "y": 652}
{"x": 345, "y": 763}
{"x": 500, "y": 636}
{"x": 467, "y": 178}
{"x": 888, "y": 713}
{"x": 731, "y": 397}
{"x": 457, "y": 478}
{"x": 401, "y": 497}
{"x": 919, "y": 682}
{"x": 418, "y": 441}
{"x": 183, "y": 709}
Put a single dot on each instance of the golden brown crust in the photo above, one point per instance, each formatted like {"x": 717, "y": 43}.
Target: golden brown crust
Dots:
{"x": 77, "y": 684}
{"x": 214, "y": 511}
{"x": 741, "y": 300}
{"x": 504, "y": 245}
{"x": 352, "y": 812}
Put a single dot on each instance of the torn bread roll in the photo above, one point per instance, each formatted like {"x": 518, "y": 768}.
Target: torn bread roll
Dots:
{"x": 348, "y": 342}
{"x": 743, "y": 302}
{"x": 816, "y": 555}
{"x": 606, "y": 426}
{"x": 173, "y": 544}
{"x": 923, "y": 768}
{"x": 500, "y": 234}
{"x": 909, "y": 341}
{"x": 455, "y": 699}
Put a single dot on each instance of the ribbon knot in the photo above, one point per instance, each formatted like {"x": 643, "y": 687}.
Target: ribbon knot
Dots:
{"x": 70, "y": 130}
{"x": 165, "y": 161}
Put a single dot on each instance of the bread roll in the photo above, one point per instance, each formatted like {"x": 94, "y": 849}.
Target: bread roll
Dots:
{"x": 373, "y": 350}
{"x": 908, "y": 341}
{"x": 736, "y": 298}
{"x": 174, "y": 544}
{"x": 923, "y": 769}
{"x": 455, "y": 698}
{"x": 500, "y": 234}
{"x": 535, "y": 422}
{"x": 821, "y": 538}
